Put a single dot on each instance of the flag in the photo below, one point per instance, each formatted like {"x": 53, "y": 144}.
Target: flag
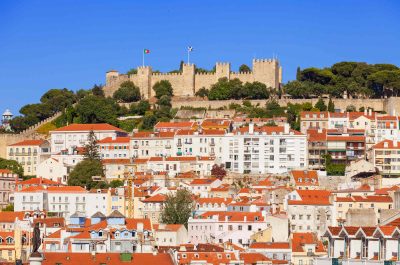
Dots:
{"x": 146, "y": 51}
{"x": 190, "y": 49}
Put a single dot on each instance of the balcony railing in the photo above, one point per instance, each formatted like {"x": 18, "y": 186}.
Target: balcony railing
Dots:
{"x": 58, "y": 141}
{"x": 168, "y": 146}
{"x": 179, "y": 144}
{"x": 135, "y": 146}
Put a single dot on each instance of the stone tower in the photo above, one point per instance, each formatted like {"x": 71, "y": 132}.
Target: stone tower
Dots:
{"x": 143, "y": 81}
{"x": 267, "y": 71}
{"x": 111, "y": 76}
{"x": 188, "y": 72}
{"x": 222, "y": 70}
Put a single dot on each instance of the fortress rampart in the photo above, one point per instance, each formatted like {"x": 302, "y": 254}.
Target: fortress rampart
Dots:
{"x": 186, "y": 83}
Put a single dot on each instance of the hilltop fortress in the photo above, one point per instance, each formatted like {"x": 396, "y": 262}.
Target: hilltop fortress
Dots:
{"x": 187, "y": 82}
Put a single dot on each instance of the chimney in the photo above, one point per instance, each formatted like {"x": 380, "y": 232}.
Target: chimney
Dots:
{"x": 385, "y": 144}
{"x": 286, "y": 128}
{"x": 251, "y": 127}
{"x": 395, "y": 143}
{"x": 370, "y": 112}
{"x": 365, "y": 111}
{"x": 114, "y": 137}
{"x": 394, "y": 112}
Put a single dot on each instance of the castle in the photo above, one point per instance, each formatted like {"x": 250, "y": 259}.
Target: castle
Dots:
{"x": 187, "y": 82}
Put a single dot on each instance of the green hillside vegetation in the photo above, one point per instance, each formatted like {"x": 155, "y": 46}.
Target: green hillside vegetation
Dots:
{"x": 357, "y": 79}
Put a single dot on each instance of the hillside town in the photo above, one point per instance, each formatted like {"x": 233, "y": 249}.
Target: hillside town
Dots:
{"x": 257, "y": 193}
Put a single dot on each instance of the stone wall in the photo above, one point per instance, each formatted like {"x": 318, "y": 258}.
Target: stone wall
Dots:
{"x": 188, "y": 82}
{"x": 389, "y": 105}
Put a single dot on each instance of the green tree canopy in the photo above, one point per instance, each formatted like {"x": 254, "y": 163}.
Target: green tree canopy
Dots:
{"x": 202, "y": 92}
{"x": 163, "y": 88}
{"x": 97, "y": 90}
{"x": 83, "y": 172}
{"x": 141, "y": 107}
{"x": 178, "y": 208}
{"x": 12, "y": 165}
{"x": 321, "y": 105}
{"x": 94, "y": 109}
{"x": 116, "y": 183}
{"x": 244, "y": 68}
{"x": 331, "y": 106}
{"x": 91, "y": 148}
{"x": 127, "y": 92}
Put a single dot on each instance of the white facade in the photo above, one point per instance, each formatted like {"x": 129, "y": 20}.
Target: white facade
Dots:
{"x": 54, "y": 170}
{"x": 63, "y": 201}
{"x": 261, "y": 150}
{"x": 220, "y": 228}
{"x": 76, "y": 135}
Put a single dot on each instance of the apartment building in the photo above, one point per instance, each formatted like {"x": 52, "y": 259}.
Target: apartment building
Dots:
{"x": 150, "y": 144}
{"x": 114, "y": 147}
{"x": 313, "y": 120}
{"x": 386, "y": 157}
{"x": 76, "y": 135}
{"x": 267, "y": 149}
{"x": 29, "y": 153}
{"x": 8, "y": 181}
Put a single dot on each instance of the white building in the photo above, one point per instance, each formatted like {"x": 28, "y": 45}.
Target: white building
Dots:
{"x": 310, "y": 210}
{"x": 114, "y": 147}
{"x": 62, "y": 201}
{"x": 170, "y": 234}
{"x": 268, "y": 149}
{"x": 29, "y": 153}
{"x": 151, "y": 144}
{"x": 221, "y": 227}
{"x": 54, "y": 170}
{"x": 76, "y": 135}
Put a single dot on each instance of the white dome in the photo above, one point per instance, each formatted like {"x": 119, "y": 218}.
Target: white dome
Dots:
{"x": 7, "y": 113}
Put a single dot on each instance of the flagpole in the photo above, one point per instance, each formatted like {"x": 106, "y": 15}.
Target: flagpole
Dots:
{"x": 143, "y": 58}
{"x": 188, "y": 55}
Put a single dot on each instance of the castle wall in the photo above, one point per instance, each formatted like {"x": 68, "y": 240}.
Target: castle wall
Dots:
{"x": 244, "y": 77}
{"x": 188, "y": 82}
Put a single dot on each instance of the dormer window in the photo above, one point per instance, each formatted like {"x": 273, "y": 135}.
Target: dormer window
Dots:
{"x": 100, "y": 233}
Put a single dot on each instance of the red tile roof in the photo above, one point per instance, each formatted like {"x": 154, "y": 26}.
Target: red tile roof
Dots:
{"x": 9, "y": 217}
{"x": 300, "y": 239}
{"x": 52, "y": 258}
{"x": 116, "y": 161}
{"x": 88, "y": 127}
{"x": 29, "y": 142}
{"x": 117, "y": 140}
{"x": 156, "y": 198}
{"x": 305, "y": 177}
{"x": 265, "y": 129}
{"x": 389, "y": 143}
{"x": 204, "y": 181}
{"x": 270, "y": 245}
{"x": 312, "y": 197}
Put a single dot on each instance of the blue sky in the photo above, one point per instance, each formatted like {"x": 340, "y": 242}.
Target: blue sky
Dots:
{"x": 65, "y": 43}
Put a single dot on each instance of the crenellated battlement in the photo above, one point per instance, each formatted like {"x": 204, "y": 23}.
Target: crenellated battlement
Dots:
{"x": 187, "y": 82}
{"x": 166, "y": 74}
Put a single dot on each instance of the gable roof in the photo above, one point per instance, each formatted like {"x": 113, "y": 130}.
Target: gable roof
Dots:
{"x": 29, "y": 142}
{"x": 76, "y": 127}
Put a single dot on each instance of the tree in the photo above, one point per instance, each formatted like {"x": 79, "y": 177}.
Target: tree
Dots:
{"x": 58, "y": 99}
{"x": 81, "y": 93}
{"x": 148, "y": 122}
{"x": 255, "y": 90}
{"x": 244, "y": 68}
{"x": 274, "y": 109}
{"x": 9, "y": 208}
{"x": 351, "y": 108}
{"x": 218, "y": 171}
{"x": 133, "y": 71}
{"x": 141, "y": 107}
{"x": 321, "y": 105}
{"x": 98, "y": 91}
{"x": 127, "y": 92}
{"x": 162, "y": 88}
{"x": 331, "y": 105}
{"x": 298, "y": 73}
{"x": 83, "y": 172}
{"x": 12, "y": 165}
{"x": 178, "y": 208}
{"x": 91, "y": 148}
{"x": 202, "y": 92}
{"x": 95, "y": 109}
{"x": 116, "y": 183}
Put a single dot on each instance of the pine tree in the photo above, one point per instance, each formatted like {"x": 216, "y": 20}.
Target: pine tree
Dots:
{"x": 321, "y": 105}
{"x": 298, "y": 74}
{"x": 91, "y": 148}
{"x": 331, "y": 106}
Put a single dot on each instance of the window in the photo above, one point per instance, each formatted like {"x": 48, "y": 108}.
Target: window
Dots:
{"x": 249, "y": 227}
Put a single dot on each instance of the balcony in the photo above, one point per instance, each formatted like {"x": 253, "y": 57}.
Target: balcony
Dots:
{"x": 179, "y": 153}
{"x": 179, "y": 144}
{"x": 135, "y": 146}
{"x": 188, "y": 142}
{"x": 167, "y": 146}
{"x": 212, "y": 143}
{"x": 58, "y": 141}
{"x": 212, "y": 153}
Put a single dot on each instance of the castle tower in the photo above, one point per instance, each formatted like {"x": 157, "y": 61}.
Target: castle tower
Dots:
{"x": 111, "y": 76}
{"x": 267, "y": 71}
{"x": 222, "y": 70}
{"x": 144, "y": 81}
{"x": 6, "y": 118}
{"x": 188, "y": 72}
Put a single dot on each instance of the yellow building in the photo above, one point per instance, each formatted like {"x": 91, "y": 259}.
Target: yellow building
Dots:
{"x": 262, "y": 236}
{"x": 29, "y": 154}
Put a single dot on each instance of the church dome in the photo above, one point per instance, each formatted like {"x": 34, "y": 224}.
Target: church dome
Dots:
{"x": 7, "y": 113}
